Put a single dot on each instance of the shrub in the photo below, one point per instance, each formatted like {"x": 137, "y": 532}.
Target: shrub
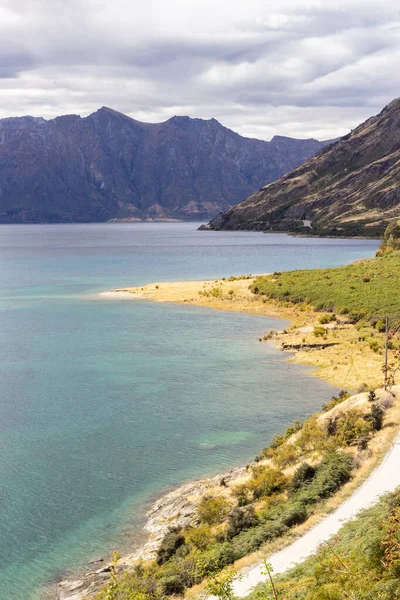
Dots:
{"x": 328, "y": 318}
{"x": 351, "y": 426}
{"x": 375, "y": 417}
{"x": 241, "y": 519}
{"x": 285, "y": 456}
{"x": 374, "y": 345}
{"x": 335, "y": 400}
{"x": 334, "y": 471}
{"x": 172, "y": 585}
{"x": 199, "y": 537}
{"x": 332, "y": 426}
{"x": 319, "y": 331}
{"x": 380, "y": 325}
{"x": 312, "y": 436}
{"x": 279, "y": 439}
{"x": 302, "y": 475}
{"x": 216, "y": 558}
{"x": 173, "y": 540}
{"x": 212, "y": 510}
{"x": 266, "y": 480}
{"x": 293, "y": 514}
{"x": 216, "y": 292}
{"x": 252, "y": 539}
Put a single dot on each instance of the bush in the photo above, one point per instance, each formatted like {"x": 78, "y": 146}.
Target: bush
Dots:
{"x": 312, "y": 436}
{"x": 351, "y": 426}
{"x": 216, "y": 558}
{"x": 252, "y": 539}
{"x": 293, "y": 514}
{"x": 266, "y": 480}
{"x": 328, "y": 318}
{"x": 333, "y": 472}
{"x": 319, "y": 331}
{"x": 285, "y": 456}
{"x": 279, "y": 439}
{"x": 172, "y": 585}
{"x": 212, "y": 511}
{"x": 374, "y": 345}
{"x": 241, "y": 519}
{"x": 304, "y": 474}
{"x": 335, "y": 400}
{"x": 173, "y": 540}
{"x": 199, "y": 537}
{"x": 375, "y": 417}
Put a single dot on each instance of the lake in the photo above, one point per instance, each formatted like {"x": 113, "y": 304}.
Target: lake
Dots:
{"x": 105, "y": 403}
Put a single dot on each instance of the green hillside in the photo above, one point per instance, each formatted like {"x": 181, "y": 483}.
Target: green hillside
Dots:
{"x": 362, "y": 562}
{"x": 363, "y": 290}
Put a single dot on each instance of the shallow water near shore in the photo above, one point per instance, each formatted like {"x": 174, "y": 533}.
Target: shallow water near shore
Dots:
{"x": 104, "y": 403}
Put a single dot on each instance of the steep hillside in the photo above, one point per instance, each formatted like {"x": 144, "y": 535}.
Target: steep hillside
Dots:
{"x": 350, "y": 187}
{"x": 109, "y": 166}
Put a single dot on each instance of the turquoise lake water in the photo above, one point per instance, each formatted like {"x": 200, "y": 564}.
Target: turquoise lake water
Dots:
{"x": 105, "y": 403}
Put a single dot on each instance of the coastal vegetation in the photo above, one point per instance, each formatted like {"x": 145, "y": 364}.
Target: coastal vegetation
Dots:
{"x": 362, "y": 562}
{"x": 366, "y": 290}
{"x": 281, "y": 490}
{"x": 338, "y": 324}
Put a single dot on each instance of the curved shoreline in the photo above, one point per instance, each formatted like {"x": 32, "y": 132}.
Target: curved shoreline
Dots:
{"x": 173, "y": 503}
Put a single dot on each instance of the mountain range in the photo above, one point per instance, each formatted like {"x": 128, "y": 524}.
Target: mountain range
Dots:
{"x": 351, "y": 187}
{"x": 108, "y": 166}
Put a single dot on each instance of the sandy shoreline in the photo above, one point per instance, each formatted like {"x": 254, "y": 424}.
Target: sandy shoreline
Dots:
{"x": 343, "y": 361}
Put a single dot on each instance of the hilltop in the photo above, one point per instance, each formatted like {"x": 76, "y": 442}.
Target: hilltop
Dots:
{"x": 351, "y": 187}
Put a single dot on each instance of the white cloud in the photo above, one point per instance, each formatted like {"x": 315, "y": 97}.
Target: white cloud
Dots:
{"x": 260, "y": 67}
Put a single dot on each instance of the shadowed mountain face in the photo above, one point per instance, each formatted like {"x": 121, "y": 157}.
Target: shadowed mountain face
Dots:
{"x": 109, "y": 166}
{"x": 351, "y": 187}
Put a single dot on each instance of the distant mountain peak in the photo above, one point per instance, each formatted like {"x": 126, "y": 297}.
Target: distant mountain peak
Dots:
{"x": 110, "y": 166}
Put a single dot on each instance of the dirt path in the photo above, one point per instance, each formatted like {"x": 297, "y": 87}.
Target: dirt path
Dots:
{"x": 385, "y": 478}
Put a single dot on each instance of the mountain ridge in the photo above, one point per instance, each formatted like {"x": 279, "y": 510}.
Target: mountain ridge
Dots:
{"x": 109, "y": 166}
{"x": 350, "y": 187}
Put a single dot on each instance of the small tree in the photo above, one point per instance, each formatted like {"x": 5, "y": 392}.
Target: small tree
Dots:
{"x": 221, "y": 585}
{"x": 268, "y": 570}
{"x": 375, "y": 417}
{"x": 213, "y": 510}
{"x": 112, "y": 588}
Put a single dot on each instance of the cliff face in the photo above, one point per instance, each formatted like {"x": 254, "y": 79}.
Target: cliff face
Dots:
{"x": 349, "y": 187}
{"x": 109, "y": 166}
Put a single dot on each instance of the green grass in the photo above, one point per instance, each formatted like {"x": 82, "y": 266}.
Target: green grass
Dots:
{"x": 363, "y": 289}
{"x": 362, "y": 562}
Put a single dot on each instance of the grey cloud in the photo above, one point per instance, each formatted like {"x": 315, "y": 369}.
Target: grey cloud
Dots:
{"x": 275, "y": 67}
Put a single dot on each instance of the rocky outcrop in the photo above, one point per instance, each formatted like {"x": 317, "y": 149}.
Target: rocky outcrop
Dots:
{"x": 351, "y": 187}
{"x": 108, "y": 166}
{"x": 176, "y": 508}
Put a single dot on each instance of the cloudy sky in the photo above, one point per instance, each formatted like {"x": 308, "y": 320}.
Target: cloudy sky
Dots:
{"x": 300, "y": 68}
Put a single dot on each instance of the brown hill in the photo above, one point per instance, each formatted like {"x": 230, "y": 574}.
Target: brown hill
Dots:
{"x": 351, "y": 187}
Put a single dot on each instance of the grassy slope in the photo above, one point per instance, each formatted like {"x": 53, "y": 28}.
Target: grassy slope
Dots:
{"x": 365, "y": 288}
{"x": 362, "y": 562}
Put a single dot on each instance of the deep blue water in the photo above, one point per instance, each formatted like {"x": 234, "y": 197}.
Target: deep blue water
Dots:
{"x": 105, "y": 403}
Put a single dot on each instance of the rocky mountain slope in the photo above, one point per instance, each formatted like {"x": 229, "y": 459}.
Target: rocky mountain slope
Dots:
{"x": 109, "y": 166}
{"x": 351, "y": 187}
